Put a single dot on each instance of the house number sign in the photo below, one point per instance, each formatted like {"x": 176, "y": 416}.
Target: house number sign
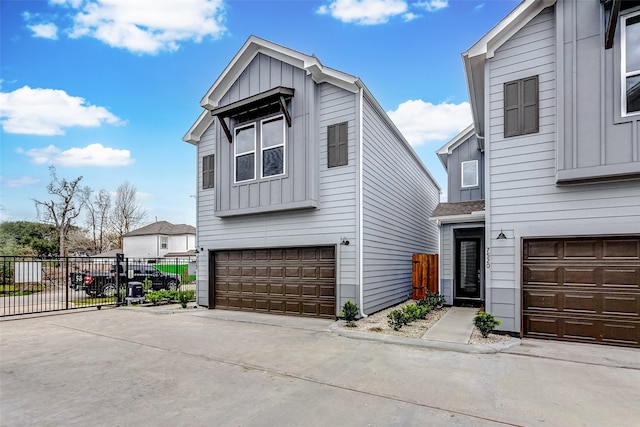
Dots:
{"x": 488, "y": 258}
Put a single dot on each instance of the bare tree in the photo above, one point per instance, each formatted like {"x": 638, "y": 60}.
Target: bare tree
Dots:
{"x": 127, "y": 213}
{"x": 65, "y": 206}
{"x": 98, "y": 210}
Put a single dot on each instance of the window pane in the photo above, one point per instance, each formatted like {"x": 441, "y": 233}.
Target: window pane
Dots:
{"x": 470, "y": 174}
{"x": 273, "y": 132}
{"x": 245, "y": 139}
{"x": 633, "y": 44}
{"x": 245, "y": 167}
{"x": 272, "y": 162}
{"x": 633, "y": 94}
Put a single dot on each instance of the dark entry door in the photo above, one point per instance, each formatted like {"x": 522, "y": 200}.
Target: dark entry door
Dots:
{"x": 468, "y": 268}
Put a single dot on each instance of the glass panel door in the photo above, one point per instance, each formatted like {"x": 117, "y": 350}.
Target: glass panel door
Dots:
{"x": 468, "y": 268}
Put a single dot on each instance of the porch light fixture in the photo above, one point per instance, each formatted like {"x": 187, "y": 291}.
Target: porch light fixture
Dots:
{"x": 501, "y": 236}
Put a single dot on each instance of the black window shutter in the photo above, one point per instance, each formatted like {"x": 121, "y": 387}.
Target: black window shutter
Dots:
{"x": 337, "y": 145}
{"x": 521, "y": 109}
{"x": 511, "y": 109}
{"x": 530, "y": 105}
{"x": 207, "y": 171}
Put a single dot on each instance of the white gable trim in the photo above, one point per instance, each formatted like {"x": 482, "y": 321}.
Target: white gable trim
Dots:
{"x": 454, "y": 143}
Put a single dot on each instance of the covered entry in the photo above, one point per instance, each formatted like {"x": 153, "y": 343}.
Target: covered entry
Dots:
{"x": 582, "y": 289}
{"x": 296, "y": 281}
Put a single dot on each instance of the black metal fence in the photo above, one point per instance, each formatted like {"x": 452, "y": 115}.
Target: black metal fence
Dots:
{"x": 37, "y": 285}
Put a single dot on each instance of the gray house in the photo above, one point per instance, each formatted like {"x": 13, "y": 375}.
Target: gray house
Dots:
{"x": 554, "y": 90}
{"x": 308, "y": 195}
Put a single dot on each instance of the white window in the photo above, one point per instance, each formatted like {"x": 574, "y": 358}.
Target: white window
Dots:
{"x": 245, "y": 153}
{"x": 470, "y": 174}
{"x": 272, "y": 138}
{"x": 630, "y": 26}
{"x": 164, "y": 242}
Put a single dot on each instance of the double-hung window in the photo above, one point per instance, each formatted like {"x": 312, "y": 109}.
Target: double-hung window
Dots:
{"x": 272, "y": 144}
{"x": 245, "y": 152}
{"x": 631, "y": 64}
{"x": 470, "y": 174}
{"x": 164, "y": 242}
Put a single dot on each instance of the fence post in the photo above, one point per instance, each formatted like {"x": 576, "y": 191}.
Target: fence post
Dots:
{"x": 119, "y": 259}
{"x": 66, "y": 282}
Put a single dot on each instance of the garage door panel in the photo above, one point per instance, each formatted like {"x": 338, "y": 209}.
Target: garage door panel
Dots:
{"x": 297, "y": 281}
{"x": 582, "y": 289}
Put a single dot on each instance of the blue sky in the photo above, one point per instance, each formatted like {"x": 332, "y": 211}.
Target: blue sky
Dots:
{"x": 107, "y": 88}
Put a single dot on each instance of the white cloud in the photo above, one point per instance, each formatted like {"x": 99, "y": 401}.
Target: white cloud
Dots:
{"x": 91, "y": 155}
{"x": 364, "y": 12}
{"x": 48, "y": 111}
{"x": 423, "y": 122}
{"x": 18, "y": 182}
{"x": 410, "y": 16}
{"x": 45, "y": 31}
{"x": 432, "y": 5}
{"x": 479, "y": 6}
{"x": 146, "y": 26}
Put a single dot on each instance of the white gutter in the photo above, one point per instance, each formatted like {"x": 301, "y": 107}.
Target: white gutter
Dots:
{"x": 360, "y": 203}
{"x": 452, "y": 219}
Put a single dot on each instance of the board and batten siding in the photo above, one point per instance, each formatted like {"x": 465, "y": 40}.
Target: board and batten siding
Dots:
{"x": 398, "y": 198}
{"x": 334, "y": 218}
{"x": 523, "y": 199}
{"x": 467, "y": 151}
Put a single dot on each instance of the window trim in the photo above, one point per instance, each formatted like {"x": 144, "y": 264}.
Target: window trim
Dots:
{"x": 244, "y": 153}
{"x": 624, "y": 75}
{"x": 477, "y": 177}
{"x": 208, "y": 185}
{"x": 283, "y": 145}
{"x": 164, "y": 242}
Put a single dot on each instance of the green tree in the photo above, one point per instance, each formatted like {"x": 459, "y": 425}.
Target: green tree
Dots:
{"x": 28, "y": 238}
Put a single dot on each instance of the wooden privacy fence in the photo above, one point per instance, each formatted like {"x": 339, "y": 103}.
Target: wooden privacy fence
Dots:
{"x": 424, "y": 275}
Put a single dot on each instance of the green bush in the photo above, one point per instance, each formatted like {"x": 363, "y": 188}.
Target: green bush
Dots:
{"x": 397, "y": 319}
{"x": 432, "y": 301}
{"x": 485, "y": 322}
{"x": 146, "y": 284}
{"x": 349, "y": 313}
{"x": 185, "y": 297}
{"x": 154, "y": 297}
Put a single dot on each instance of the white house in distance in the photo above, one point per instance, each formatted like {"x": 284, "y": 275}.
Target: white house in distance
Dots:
{"x": 160, "y": 239}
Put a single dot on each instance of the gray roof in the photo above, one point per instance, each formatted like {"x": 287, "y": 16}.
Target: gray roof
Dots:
{"x": 162, "y": 227}
{"x": 458, "y": 208}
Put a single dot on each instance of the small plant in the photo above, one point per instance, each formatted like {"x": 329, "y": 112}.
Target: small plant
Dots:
{"x": 432, "y": 301}
{"x": 154, "y": 297}
{"x": 349, "y": 313}
{"x": 397, "y": 319}
{"x": 146, "y": 284}
{"x": 186, "y": 296}
{"x": 485, "y": 322}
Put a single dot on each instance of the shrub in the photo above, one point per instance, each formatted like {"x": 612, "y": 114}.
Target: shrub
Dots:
{"x": 146, "y": 284}
{"x": 414, "y": 312}
{"x": 186, "y": 296}
{"x": 349, "y": 312}
{"x": 397, "y": 319}
{"x": 485, "y": 322}
{"x": 432, "y": 301}
{"x": 154, "y": 297}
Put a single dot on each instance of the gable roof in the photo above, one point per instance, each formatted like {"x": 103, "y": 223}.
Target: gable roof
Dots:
{"x": 474, "y": 58}
{"x": 319, "y": 73}
{"x": 162, "y": 227}
{"x": 456, "y": 212}
{"x": 454, "y": 143}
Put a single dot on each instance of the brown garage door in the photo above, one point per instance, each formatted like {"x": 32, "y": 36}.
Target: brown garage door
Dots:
{"x": 297, "y": 281}
{"x": 582, "y": 289}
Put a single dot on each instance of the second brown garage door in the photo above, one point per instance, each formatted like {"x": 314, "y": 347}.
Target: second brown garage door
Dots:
{"x": 582, "y": 289}
{"x": 296, "y": 281}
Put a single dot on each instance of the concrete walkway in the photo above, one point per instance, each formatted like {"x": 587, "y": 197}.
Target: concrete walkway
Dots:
{"x": 455, "y": 326}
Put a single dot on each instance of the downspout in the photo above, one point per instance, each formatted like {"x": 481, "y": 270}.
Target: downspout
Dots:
{"x": 360, "y": 202}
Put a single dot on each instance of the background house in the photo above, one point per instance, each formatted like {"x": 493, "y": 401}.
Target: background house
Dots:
{"x": 308, "y": 195}
{"x": 461, "y": 221}
{"x": 553, "y": 89}
{"x": 160, "y": 239}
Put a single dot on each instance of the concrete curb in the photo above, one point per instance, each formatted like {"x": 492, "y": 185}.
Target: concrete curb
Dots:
{"x": 425, "y": 343}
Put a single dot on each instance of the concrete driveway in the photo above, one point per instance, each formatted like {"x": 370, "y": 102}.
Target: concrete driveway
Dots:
{"x": 164, "y": 367}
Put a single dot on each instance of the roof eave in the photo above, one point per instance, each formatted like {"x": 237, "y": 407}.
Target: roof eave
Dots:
{"x": 454, "y": 219}
{"x": 453, "y": 143}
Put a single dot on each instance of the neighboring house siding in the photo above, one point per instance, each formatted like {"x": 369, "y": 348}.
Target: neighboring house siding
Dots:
{"x": 524, "y": 200}
{"x": 149, "y": 246}
{"x": 466, "y": 151}
{"x": 447, "y": 262}
{"x": 298, "y": 185}
{"x": 600, "y": 141}
{"x": 398, "y": 197}
{"x": 334, "y": 218}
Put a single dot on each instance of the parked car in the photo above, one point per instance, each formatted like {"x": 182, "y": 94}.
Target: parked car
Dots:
{"x": 104, "y": 284}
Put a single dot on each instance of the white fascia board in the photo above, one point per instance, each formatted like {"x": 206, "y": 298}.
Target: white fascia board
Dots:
{"x": 197, "y": 129}
{"x": 454, "y": 219}
{"x": 454, "y": 143}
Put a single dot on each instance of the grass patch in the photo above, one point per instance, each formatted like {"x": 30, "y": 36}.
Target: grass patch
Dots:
{"x": 93, "y": 301}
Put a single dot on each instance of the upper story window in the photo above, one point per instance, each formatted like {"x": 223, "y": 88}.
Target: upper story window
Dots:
{"x": 337, "y": 145}
{"x": 245, "y": 152}
{"x": 272, "y": 138}
{"x": 207, "y": 171}
{"x": 469, "y": 174}
{"x": 631, "y": 64}
{"x": 164, "y": 242}
{"x": 521, "y": 114}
